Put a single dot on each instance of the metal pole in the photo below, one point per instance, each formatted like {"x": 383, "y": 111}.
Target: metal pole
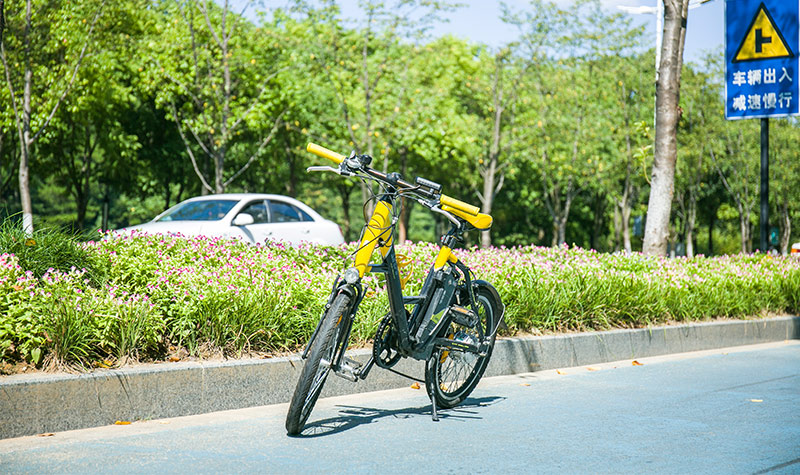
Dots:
{"x": 764, "y": 215}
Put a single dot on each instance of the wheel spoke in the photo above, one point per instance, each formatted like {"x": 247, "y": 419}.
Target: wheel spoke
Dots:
{"x": 454, "y": 373}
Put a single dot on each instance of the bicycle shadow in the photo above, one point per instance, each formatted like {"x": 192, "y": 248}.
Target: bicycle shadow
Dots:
{"x": 354, "y": 416}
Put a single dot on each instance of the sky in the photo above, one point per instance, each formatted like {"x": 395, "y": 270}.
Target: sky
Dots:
{"x": 480, "y": 21}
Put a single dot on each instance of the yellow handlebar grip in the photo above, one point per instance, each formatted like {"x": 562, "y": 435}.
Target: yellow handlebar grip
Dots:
{"x": 325, "y": 153}
{"x": 459, "y": 205}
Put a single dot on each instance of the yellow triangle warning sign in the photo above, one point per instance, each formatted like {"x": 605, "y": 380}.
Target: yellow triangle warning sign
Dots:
{"x": 763, "y": 39}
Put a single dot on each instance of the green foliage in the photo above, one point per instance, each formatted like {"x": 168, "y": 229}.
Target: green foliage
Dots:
{"x": 572, "y": 147}
{"x": 46, "y": 249}
{"x": 224, "y": 297}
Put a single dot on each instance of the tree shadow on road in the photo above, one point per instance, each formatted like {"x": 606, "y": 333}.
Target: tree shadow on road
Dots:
{"x": 353, "y": 416}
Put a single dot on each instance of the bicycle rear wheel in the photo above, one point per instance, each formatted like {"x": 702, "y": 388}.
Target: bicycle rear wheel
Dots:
{"x": 451, "y": 375}
{"x": 317, "y": 365}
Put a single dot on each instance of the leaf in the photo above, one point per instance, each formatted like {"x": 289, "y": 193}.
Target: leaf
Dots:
{"x": 415, "y": 386}
{"x": 756, "y": 400}
{"x": 636, "y": 363}
{"x": 592, "y": 368}
{"x": 560, "y": 372}
{"x": 36, "y": 355}
{"x": 524, "y": 384}
{"x": 103, "y": 364}
{"x": 46, "y": 434}
{"x": 122, "y": 423}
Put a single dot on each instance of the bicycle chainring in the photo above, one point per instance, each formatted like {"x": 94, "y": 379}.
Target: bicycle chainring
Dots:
{"x": 384, "y": 349}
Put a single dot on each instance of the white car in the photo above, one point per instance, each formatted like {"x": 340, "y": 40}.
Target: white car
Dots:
{"x": 254, "y": 218}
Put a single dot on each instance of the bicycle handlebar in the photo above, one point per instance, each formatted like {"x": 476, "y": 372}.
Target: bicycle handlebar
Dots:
{"x": 459, "y": 205}
{"x": 325, "y": 153}
{"x": 442, "y": 199}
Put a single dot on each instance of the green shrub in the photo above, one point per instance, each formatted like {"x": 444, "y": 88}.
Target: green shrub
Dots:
{"x": 211, "y": 296}
{"x": 46, "y": 249}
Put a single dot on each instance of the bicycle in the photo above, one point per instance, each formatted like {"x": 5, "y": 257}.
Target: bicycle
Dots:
{"x": 454, "y": 320}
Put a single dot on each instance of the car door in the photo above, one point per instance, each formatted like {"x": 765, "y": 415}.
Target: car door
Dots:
{"x": 288, "y": 222}
{"x": 260, "y": 229}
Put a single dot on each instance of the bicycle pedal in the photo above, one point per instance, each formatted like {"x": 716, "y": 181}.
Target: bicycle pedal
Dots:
{"x": 349, "y": 369}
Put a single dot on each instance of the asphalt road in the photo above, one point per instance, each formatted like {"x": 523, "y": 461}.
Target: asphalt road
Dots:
{"x": 721, "y": 411}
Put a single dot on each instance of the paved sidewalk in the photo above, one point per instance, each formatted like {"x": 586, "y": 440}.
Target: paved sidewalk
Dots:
{"x": 32, "y": 404}
{"x": 720, "y": 411}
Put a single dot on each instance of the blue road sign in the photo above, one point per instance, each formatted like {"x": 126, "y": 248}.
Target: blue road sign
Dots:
{"x": 762, "y": 49}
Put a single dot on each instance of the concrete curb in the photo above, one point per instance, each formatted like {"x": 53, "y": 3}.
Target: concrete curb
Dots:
{"x": 32, "y": 404}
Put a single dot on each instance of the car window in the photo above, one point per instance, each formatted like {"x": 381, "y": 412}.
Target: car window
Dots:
{"x": 281, "y": 212}
{"x": 258, "y": 210}
{"x": 203, "y": 210}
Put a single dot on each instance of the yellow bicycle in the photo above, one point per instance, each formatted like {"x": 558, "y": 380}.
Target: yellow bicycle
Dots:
{"x": 452, "y": 324}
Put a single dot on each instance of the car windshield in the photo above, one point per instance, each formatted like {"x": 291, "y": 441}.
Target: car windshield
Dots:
{"x": 204, "y": 210}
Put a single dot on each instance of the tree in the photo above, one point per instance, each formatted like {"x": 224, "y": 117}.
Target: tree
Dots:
{"x": 783, "y": 188}
{"x": 216, "y": 82}
{"x": 87, "y": 139}
{"x": 739, "y": 173}
{"x": 699, "y": 125}
{"x": 38, "y": 66}
{"x": 668, "y": 113}
{"x": 570, "y": 57}
{"x": 367, "y": 73}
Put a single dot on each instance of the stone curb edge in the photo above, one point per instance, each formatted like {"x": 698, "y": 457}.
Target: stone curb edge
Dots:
{"x": 33, "y": 404}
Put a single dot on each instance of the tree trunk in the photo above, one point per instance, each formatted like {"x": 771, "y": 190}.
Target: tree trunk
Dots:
{"x": 489, "y": 171}
{"x": 785, "y": 224}
{"x": 25, "y": 136}
{"x": 560, "y": 218}
{"x": 627, "y": 190}
{"x": 744, "y": 229}
{"x": 405, "y": 205}
{"x": 667, "y": 117}
{"x": 600, "y": 204}
{"x": 711, "y": 223}
{"x": 617, "y": 227}
{"x": 344, "y": 194}
{"x": 626, "y": 227}
{"x": 405, "y": 217}
{"x": 691, "y": 219}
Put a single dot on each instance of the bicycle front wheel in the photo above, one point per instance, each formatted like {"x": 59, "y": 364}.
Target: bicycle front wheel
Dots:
{"x": 451, "y": 375}
{"x": 317, "y": 365}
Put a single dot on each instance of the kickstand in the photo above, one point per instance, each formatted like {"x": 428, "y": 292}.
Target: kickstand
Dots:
{"x": 434, "y": 412}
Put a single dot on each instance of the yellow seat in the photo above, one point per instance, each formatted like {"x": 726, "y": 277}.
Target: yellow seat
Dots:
{"x": 479, "y": 221}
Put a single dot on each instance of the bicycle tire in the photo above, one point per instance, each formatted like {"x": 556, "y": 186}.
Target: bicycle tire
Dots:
{"x": 451, "y": 375}
{"x": 315, "y": 371}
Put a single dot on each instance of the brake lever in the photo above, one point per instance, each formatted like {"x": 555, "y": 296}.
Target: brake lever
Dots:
{"x": 322, "y": 169}
{"x": 447, "y": 215}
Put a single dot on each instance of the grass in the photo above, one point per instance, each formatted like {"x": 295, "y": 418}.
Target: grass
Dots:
{"x": 214, "y": 296}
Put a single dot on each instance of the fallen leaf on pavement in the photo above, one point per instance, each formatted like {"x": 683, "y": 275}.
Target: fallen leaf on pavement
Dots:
{"x": 560, "y": 372}
{"x": 591, "y": 368}
{"x": 46, "y": 434}
{"x": 636, "y": 363}
{"x": 756, "y": 400}
{"x": 524, "y": 384}
{"x": 122, "y": 423}
{"x": 415, "y": 386}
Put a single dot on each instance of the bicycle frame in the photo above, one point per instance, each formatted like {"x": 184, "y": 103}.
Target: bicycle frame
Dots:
{"x": 416, "y": 336}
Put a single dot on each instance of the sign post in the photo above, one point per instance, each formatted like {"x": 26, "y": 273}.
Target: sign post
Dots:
{"x": 761, "y": 72}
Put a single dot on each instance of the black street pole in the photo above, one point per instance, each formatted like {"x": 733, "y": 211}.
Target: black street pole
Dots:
{"x": 764, "y": 216}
